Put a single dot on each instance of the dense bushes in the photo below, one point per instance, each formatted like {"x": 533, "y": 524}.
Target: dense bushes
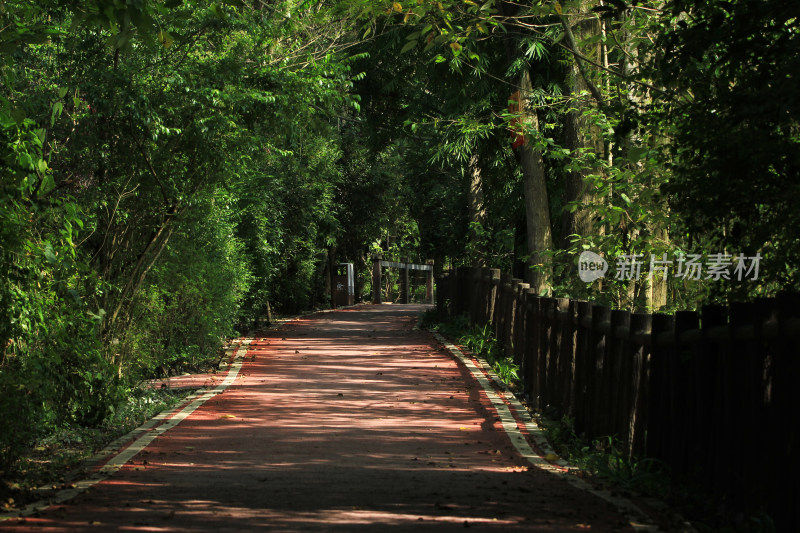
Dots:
{"x": 168, "y": 174}
{"x": 192, "y": 299}
{"x": 52, "y": 370}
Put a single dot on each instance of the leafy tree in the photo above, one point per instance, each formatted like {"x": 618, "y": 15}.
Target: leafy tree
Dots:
{"x": 733, "y": 114}
{"x": 144, "y": 149}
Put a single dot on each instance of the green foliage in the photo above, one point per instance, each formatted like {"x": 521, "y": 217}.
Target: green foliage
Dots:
{"x": 604, "y": 459}
{"x": 455, "y": 326}
{"x": 734, "y": 120}
{"x": 141, "y": 404}
{"x": 189, "y": 308}
{"x": 169, "y": 170}
{"x": 691, "y": 144}
{"x": 430, "y": 319}
{"x": 480, "y": 341}
{"x": 58, "y": 453}
{"x": 608, "y": 463}
{"x": 51, "y": 371}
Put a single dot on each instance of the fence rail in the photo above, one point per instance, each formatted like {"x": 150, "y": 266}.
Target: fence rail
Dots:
{"x": 714, "y": 394}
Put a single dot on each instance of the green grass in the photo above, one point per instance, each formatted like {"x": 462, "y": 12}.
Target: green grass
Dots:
{"x": 604, "y": 460}
{"x": 479, "y": 340}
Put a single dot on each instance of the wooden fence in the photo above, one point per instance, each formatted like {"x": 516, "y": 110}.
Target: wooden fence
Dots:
{"x": 714, "y": 395}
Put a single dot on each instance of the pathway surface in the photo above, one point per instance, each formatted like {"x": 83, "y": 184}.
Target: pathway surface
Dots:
{"x": 344, "y": 421}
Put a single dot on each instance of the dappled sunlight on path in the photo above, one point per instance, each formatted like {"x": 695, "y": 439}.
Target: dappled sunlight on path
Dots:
{"x": 345, "y": 421}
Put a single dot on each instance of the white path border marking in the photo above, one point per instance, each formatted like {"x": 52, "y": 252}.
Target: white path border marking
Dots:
{"x": 149, "y": 431}
{"x": 636, "y": 517}
{"x": 173, "y": 418}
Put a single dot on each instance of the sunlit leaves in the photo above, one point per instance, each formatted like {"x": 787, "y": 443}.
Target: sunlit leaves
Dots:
{"x": 165, "y": 39}
{"x": 138, "y": 134}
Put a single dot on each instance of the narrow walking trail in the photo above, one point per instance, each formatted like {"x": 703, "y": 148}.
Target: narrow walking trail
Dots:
{"x": 343, "y": 421}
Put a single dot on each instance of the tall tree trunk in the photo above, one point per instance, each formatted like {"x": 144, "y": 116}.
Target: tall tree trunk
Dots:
{"x": 477, "y": 213}
{"x": 580, "y": 134}
{"x": 331, "y": 270}
{"x": 655, "y": 288}
{"x": 537, "y": 205}
{"x": 144, "y": 263}
{"x": 657, "y": 285}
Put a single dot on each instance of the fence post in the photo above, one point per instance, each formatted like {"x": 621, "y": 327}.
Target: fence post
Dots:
{"x": 617, "y": 372}
{"x": 519, "y": 322}
{"x": 560, "y": 345}
{"x": 583, "y": 351}
{"x": 566, "y": 364}
{"x": 442, "y": 294}
{"x": 459, "y": 291}
{"x": 508, "y": 314}
{"x": 491, "y": 297}
{"x": 474, "y": 295}
{"x": 784, "y": 399}
{"x": 717, "y": 454}
{"x": 498, "y": 304}
{"x": 511, "y": 317}
{"x": 659, "y": 424}
{"x": 530, "y": 363}
{"x": 429, "y": 282}
{"x": 483, "y": 297}
{"x": 549, "y": 355}
{"x": 641, "y": 339}
{"x": 748, "y": 363}
{"x": 682, "y": 400}
{"x": 500, "y": 307}
{"x": 699, "y": 397}
{"x": 596, "y": 417}
{"x": 376, "y": 279}
{"x": 765, "y": 310}
{"x": 455, "y": 293}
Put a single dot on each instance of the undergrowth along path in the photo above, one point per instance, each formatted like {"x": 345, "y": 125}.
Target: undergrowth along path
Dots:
{"x": 343, "y": 421}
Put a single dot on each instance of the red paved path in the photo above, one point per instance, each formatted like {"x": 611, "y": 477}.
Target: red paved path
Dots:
{"x": 347, "y": 421}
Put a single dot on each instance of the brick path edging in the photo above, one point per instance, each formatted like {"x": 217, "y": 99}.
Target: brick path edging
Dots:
{"x": 513, "y": 414}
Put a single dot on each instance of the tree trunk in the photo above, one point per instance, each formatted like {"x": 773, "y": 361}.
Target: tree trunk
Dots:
{"x": 537, "y": 206}
{"x": 144, "y": 263}
{"x": 579, "y": 135}
{"x": 477, "y": 214}
{"x": 329, "y": 286}
{"x": 655, "y": 289}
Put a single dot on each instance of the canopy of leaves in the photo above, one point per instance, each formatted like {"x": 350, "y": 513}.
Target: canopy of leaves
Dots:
{"x": 173, "y": 171}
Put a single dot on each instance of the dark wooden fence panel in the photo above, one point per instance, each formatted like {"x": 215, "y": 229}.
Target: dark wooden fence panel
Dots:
{"x": 783, "y": 439}
{"x": 636, "y": 416}
{"x": 534, "y": 350}
{"x": 616, "y": 372}
{"x": 598, "y": 410}
{"x": 713, "y": 395}
{"x": 520, "y": 317}
{"x": 683, "y": 394}
{"x": 566, "y": 367}
{"x": 583, "y": 365}
{"x": 660, "y": 421}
